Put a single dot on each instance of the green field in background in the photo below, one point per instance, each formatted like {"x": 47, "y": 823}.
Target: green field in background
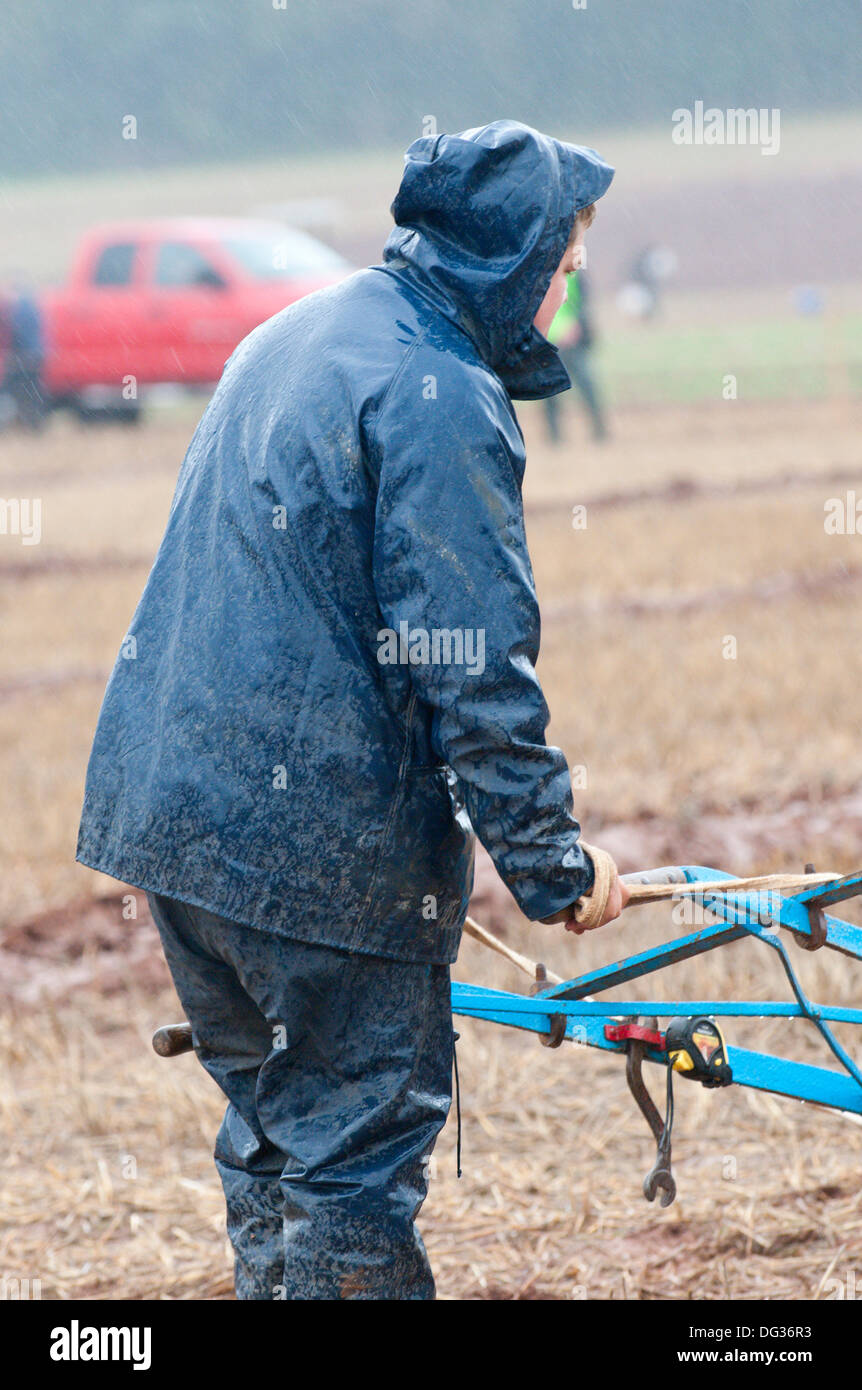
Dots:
{"x": 771, "y": 358}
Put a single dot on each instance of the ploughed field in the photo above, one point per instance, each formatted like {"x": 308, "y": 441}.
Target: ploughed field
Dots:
{"x": 702, "y": 658}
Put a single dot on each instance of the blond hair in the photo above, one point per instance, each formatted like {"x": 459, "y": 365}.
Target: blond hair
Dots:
{"x": 583, "y": 219}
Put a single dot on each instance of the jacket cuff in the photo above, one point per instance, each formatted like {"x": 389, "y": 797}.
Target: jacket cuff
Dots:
{"x": 542, "y": 899}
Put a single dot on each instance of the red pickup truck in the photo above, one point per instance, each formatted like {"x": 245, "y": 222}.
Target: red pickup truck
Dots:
{"x": 168, "y": 301}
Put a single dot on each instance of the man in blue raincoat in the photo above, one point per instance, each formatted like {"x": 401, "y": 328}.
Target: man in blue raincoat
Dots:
{"x": 329, "y": 684}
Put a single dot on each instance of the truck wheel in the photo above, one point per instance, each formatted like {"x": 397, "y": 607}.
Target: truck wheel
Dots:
{"x": 92, "y": 413}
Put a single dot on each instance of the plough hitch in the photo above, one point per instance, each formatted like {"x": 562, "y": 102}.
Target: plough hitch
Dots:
{"x": 695, "y": 1048}
{"x": 638, "y": 1037}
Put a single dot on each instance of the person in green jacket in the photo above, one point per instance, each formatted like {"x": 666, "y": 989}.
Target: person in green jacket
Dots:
{"x": 573, "y": 335}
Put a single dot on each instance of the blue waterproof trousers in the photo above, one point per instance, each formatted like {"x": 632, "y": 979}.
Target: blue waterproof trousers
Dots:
{"x": 337, "y": 1068}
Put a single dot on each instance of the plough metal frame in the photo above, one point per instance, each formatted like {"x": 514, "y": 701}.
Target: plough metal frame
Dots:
{"x": 564, "y": 1012}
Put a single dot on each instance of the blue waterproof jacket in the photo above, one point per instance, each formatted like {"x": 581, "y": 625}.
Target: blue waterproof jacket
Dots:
{"x": 337, "y": 641}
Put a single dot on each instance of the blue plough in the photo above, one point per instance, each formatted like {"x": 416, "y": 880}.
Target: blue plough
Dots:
{"x": 569, "y": 1010}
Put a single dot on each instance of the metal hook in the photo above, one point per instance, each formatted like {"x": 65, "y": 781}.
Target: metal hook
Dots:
{"x": 660, "y": 1175}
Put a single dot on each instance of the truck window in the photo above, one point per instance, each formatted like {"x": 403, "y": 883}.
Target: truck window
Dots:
{"x": 115, "y": 264}
{"x": 285, "y": 255}
{"x": 178, "y": 263}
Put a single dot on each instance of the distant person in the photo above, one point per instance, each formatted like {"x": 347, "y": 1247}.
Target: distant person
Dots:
{"x": 341, "y": 626}
{"x": 24, "y": 349}
{"x": 573, "y": 333}
{"x": 640, "y": 296}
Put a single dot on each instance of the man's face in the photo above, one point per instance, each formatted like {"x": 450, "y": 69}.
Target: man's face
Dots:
{"x": 557, "y": 290}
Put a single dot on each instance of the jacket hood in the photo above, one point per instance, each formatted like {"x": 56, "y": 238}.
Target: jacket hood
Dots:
{"x": 482, "y": 221}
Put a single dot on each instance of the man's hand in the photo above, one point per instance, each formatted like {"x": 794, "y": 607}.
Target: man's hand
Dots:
{"x": 618, "y": 896}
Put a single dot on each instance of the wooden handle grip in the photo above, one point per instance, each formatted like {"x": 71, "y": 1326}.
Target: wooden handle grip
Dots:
{"x": 173, "y": 1039}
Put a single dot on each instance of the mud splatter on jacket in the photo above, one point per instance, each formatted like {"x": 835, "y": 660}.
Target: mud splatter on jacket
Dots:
{"x": 260, "y": 752}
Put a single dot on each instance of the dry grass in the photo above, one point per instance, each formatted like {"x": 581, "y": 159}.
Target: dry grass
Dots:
{"x": 111, "y": 1191}
{"x": 554, "y": 1150}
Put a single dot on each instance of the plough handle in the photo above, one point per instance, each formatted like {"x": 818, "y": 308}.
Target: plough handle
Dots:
{"x": 668, "y": 874}
{"x": 173, "y": 1039}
